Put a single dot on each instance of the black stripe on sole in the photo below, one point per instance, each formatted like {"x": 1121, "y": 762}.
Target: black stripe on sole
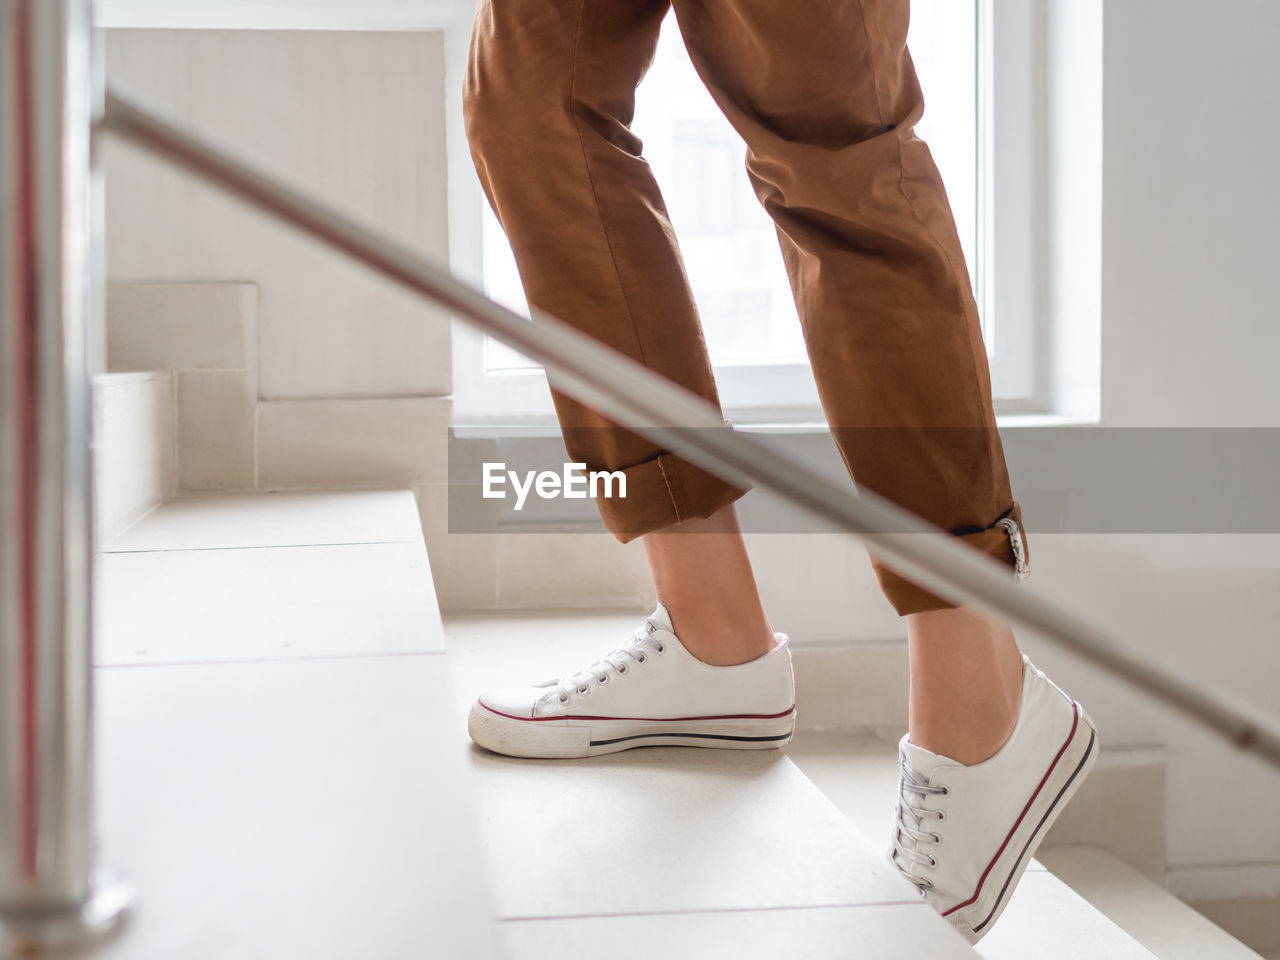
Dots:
{"x": 692, "y": 736}
{"x": 1093, "y": 736}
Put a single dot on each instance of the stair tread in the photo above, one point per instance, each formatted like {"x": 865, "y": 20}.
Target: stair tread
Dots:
{"x": 1171, "y": 929}
{"x": 705, "y": 839}
{"x": 266, "y": 603}
{"x": 296, "y": 519}
{"x": 872, "y": 931}
{"x": 284, "y": 806}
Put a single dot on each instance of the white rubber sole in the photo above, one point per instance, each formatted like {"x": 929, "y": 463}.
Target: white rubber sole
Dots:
{"x": 1073, "y": 764}
{"x": 589, "y": 737}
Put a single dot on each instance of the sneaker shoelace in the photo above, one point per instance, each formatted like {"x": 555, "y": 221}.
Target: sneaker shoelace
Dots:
{"x": 910, "y": 816}
{"x": 636, "y": 650}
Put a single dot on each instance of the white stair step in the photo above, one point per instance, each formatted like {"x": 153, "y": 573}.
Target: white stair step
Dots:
{"x": 1048, "y": 920}
{"x": 133, "y": 454}
{"x": 311, "y": 801}
{"x": 296, "y": 519}
{"x": 266, "y": 604}
{"x": 669, "y": 852}
{"x": 869, "y": 932}
{"x": 1164, "y": 924}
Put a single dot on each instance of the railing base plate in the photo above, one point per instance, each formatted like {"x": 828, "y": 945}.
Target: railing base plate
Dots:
{"x": 29, "y": 935}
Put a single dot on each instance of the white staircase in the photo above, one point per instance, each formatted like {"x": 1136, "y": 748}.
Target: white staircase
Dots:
{"x": 284, "y": 771}
{"x": 278, "y": 768}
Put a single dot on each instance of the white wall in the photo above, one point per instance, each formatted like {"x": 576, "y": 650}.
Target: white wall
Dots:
{"x": 357, "y": 117}
{"x": 1192, "y": 200}
{"x": 349, "y": 381}
{"x": 1190, "y": 337}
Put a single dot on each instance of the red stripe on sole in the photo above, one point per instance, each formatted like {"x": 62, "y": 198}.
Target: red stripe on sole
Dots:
{"x": 1075, "y": 723}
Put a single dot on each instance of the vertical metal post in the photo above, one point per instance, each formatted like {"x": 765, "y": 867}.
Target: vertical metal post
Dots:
{"x": 50, "y": 894}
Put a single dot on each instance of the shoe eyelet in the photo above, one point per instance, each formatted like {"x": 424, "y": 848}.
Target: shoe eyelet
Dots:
{"x": 937, "y": 838}
{"x": 946, "y": 791}
{"x": 564, "y": 699}
{"x": 662, "y": 648}
{"x": 942, "y": 815}
{"x": 623, "y": 668}
{"x": 585, "y": 689}
{"x": 933, "y": 861}
{"x": 642, "y": 658}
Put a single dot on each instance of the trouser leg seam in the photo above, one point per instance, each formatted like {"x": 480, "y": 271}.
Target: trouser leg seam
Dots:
{"x": 675, "y": 505}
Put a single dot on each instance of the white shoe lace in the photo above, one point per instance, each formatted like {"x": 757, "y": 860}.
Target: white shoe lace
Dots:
{"x": 910, "y": 818}
{"x": 636, "y": 650}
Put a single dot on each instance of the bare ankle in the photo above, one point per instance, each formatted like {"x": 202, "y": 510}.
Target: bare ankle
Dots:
{"x": 966, "y": 684}
{"x": 718, "y": 637}
{"x": 972, "y": 741}
{"x": 703, "y": 577}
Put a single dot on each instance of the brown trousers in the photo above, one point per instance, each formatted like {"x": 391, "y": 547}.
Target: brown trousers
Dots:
{"x": 826, "y": 97}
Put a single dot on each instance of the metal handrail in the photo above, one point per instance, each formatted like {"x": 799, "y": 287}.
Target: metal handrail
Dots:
{"x": 682, "y": 422}
{"x": 53, "y": 891}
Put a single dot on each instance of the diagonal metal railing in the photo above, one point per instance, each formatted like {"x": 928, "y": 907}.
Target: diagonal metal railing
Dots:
{"x": 652, "y": 406}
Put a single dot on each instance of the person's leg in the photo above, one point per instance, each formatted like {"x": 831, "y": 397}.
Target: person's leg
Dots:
{"x": 549, "y": 96}
{"x": 827, "y": 105}
{"x": 704, "y": 580}
{"x": 548, "y": 99}
{"x": 966, "y": 683}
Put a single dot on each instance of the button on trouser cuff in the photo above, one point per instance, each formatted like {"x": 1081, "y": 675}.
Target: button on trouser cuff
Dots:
{"x": 996, "y": 541}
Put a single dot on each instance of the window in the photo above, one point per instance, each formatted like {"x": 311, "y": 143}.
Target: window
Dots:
{"x": 729, "y": 243}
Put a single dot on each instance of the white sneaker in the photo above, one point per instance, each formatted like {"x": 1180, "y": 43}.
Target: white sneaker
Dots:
{"x": 965, "y": 834}
{"x": 649, "y": 692}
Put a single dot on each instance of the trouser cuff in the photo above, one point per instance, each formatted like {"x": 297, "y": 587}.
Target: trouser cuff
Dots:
{"x": 1006, "y": 540}
{"x": 662, "y": 492}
